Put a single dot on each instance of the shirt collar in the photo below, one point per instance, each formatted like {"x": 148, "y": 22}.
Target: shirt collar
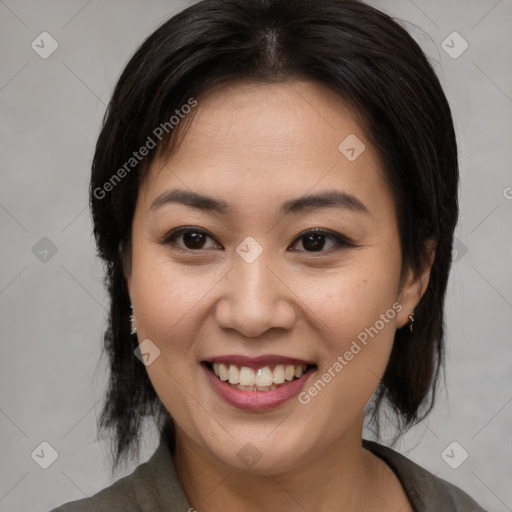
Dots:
{"x": 157, "y": 487}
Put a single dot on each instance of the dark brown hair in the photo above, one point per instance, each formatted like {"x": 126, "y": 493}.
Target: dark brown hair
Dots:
{"x": 377, "y": 68}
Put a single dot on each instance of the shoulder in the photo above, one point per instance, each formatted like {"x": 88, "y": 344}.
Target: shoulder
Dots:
{"x": 427, "y": 492}
{"x": 119, "y": 496}
{"x": 152, "y": 486}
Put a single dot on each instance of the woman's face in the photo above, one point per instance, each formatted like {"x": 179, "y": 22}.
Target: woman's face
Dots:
{"x": 250, "y": 288}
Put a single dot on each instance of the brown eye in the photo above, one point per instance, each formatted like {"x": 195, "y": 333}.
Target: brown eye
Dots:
{"x": 315, "y": 241}
{"x": 192, "y": 239}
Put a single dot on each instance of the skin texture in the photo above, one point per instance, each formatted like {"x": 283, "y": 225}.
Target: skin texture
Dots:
{"x": 256, "y": 146}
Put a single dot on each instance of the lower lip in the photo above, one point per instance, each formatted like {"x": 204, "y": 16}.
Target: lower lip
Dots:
{"x": 256, "y": 400}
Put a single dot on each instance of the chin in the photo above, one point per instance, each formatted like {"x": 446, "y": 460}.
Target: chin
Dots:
{"x": 261, "y": 449}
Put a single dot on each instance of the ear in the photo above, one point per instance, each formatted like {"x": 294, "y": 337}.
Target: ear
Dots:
{"x": 415, "y": 286}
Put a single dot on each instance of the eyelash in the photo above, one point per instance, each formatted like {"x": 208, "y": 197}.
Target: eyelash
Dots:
{"x": 341, "y": 241}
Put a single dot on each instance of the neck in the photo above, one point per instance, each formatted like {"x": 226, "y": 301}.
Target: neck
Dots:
{"x": 345, "y": 474}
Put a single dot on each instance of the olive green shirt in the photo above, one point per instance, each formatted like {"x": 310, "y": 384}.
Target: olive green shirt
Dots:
{"x": 154, "y": 486}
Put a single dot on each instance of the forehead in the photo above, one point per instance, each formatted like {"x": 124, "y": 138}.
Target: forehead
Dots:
{"x": 272, "y": 141}
{"x": 288, "y": 119}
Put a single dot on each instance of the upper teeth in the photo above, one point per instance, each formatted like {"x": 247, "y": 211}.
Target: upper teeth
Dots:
{"x": 262, "y": 377}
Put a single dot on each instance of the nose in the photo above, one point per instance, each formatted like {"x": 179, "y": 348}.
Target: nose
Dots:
{"x": 255, "y": 298}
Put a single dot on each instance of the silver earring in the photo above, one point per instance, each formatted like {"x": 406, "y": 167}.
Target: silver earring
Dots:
{"x": 133, "y": 328}
{"x": 411, "y": 318}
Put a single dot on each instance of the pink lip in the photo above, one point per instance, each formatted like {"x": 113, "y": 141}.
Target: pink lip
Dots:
{"x": 256, "y": 400}
{"x": 257, "y": 362}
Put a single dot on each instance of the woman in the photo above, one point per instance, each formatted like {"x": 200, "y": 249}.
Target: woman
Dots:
{"x": 274, "y": 194}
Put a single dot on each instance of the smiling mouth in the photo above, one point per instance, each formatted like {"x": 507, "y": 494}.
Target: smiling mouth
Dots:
{"x": 266, "y": 378}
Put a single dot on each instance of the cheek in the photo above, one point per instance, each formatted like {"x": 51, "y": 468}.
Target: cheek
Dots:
{"x": 357, "y": 310}
{"x": 355, "y": 296}
{"x": 167, "y": 300}
{"x": 355, "y": 351}
{"x": 166, "y": 296}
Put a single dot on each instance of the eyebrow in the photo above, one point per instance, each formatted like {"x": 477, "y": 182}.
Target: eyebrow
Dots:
{"x": 327, "y": 199}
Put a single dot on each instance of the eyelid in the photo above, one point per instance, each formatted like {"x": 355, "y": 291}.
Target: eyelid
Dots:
{"x": 174, "y": 233}
{"x": 340, "y": 240}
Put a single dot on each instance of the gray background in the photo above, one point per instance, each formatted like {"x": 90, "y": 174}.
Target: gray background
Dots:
{"x": 52, "y": 306}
